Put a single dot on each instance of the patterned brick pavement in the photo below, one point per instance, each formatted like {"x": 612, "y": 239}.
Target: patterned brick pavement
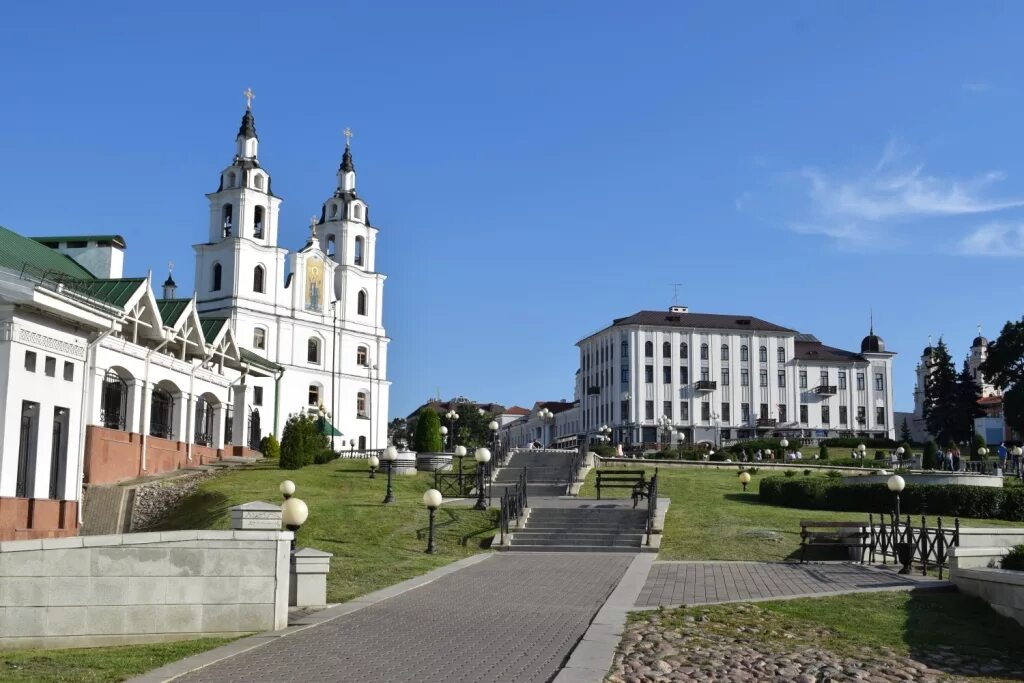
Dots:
{"x": 692, "y": 583}
{"x": 509, "y": 618}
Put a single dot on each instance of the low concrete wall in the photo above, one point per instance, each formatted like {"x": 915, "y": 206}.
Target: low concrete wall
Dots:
{"x": 106, "y": 590}
{"x": 1003, "y": 589}
{"x": 430, "y": 462}
{"x": 765, "y": 465}
{"x": 990, "y": 536}
{"x": 911, "y": 478}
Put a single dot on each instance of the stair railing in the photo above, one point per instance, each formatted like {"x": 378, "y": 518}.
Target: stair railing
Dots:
{"x": 513, "y": 503}
{"x": 652, "y": 504}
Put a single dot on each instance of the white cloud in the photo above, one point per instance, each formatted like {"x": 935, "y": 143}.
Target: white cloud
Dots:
{"x": 995, "y": 239}
{"x": 856, "y": 207}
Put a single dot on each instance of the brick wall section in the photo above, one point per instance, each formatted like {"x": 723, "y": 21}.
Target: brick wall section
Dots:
{"x": 27, "y": 518}
{"x": 132, "y": 588}
{"x": 112, "y": 456}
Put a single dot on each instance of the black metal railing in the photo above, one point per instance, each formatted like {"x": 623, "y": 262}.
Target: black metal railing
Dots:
{"x": 652, "y": 504}
{"x": 766, "y": 422}
{"x": 909, "y": 545}
{"x": 460, "y": 483}
{"x": 825, "y": 389}
{"x": 575, "y": 464}
{"x": 705, "y": 385}
{"x": 513, "y": 503}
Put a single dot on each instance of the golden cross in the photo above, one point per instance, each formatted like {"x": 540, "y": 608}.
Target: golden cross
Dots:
{"x": 348, "y": 137}
{"x": 249, "y": 97}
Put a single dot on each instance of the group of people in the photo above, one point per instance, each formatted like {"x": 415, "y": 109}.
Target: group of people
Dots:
{"x": 760, "y": 455}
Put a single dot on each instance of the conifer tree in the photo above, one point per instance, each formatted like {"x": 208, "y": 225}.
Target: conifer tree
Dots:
{"x": 1004, "y": 367}
{"x": 940, "y": 394}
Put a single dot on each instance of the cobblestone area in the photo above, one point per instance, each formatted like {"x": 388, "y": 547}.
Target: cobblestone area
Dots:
{"x": 698, "y": 647}
{"x": 154, "y": 500}
{"x": 692, "y": 583}
{"x": 509, "y": 618}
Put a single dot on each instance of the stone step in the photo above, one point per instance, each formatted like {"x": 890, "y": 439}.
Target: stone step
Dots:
{"x": 540, "y": 537}
{"x": 591, "y": 542}
{"x": 623, "y": 517}
{"x": 572, "y": 549}
{"x": 586, "y": 528}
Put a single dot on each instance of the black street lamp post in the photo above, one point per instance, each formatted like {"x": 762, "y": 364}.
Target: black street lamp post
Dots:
{"x": 482, "y": 457}
{"x": 432, "y": 499}
{"x": 390, "y": 455}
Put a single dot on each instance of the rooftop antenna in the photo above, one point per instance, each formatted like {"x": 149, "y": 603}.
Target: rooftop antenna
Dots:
{"x": 675, "y": 293}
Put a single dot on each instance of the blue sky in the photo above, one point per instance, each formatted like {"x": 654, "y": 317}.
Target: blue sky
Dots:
{"x": 537, "y": 169}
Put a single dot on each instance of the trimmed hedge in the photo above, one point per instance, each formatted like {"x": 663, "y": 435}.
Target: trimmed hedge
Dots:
{"x": 920, "y": 499}
{"x": 853, "y": 442}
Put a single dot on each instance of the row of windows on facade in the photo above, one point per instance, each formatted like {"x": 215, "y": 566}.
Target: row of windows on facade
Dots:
{"x": 49, "y": 366}
{"x": 258, "y": 220}
{"x": 259, "y": 279}
{"x": 313, "y": 347}
{"x": 705, "y": 375}
{"x": 315, "y": 397}
{"x": 604, "y": 354}
{"x": 725, "y": 414}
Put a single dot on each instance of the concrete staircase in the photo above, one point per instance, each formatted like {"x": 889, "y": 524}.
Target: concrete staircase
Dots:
{"x": 547, "y": 473}
{"x": 582, "y": 530}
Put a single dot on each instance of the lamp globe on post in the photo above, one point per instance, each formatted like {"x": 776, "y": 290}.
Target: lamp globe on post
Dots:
{"x": 784, "y": 444}
{"x": 444, "y": 439}
{"x": 860, "y": 449}
{"x": 1016, "y": 452}
{"x": 493, "y": 426}
{"x": 432, "y": 499}
{"x": 287, "y": 488}
{"x": 744, "y": 479}
{"x": 374, "y": 464}
{"x": 389, "y": 457}
{"x": 293, "y": 515}
{"x": 896, "y": 485}
{"x": 482, "y": 457}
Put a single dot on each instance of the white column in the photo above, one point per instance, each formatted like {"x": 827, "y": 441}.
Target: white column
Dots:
{"x": 95, "y": 392}
{"x": 142, "y": 412}
{"x": 133, "y": 406}
{"x": 238, "y": 423}
{"x": 217, "y": 437}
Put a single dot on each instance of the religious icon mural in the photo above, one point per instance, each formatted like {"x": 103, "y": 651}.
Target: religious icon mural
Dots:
{"x": 314, "y": 284}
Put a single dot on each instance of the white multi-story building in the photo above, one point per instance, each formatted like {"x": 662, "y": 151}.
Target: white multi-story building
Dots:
{"x": 662, "y": 376}
{"x": 316, "y": 312}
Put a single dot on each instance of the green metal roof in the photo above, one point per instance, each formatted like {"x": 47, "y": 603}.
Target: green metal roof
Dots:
{"x": 212, "y": 327}
{"x": 250, "y": 357}
{"x": 326, "y": 428}
{"x": 171, "y": 309}
{"x": 115, "y": 240}
{"x": 113, "y": 292}
{"x": 24, "y": 254}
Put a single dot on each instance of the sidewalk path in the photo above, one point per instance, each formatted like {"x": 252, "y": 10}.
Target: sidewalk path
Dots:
{"x": 693, "y": 583}
{"x": 512, "y": 617}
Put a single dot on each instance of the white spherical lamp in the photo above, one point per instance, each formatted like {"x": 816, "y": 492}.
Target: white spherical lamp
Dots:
{"x": 493, "y": 425}
{"x": 482, "y": 455}
{"x": 287, "y": 488}
{"x": 390, "y": 454}
{"x": 896, "y": 483}
{"x": 444, "y": 431}
{"x": 432, "y": 499}
{"x": 784, "y": 443}
{"x": 374, "y": 461}
{"x": 460, "y": 451}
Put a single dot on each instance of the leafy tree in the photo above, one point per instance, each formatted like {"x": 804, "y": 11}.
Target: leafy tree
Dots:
{"x": 940, "y": 395}
{"x": 471, "y": 428}
{"x": 270, "y": 448}
{"x": 905, "y": 432}
{"x": 301, "y": 442}
{"x": 398, "y": 432}
{"x": 1004, "y": 367}
{"x": 428, "y": 432}
{"x": 822, "y": 452}
{"x": 931, "y": 449}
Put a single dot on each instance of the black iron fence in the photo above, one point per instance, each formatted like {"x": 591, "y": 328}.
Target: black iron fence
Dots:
{"x": 513, "y": 503}
{"x": 928, "y": 547}
{"x": 652, "y": 504}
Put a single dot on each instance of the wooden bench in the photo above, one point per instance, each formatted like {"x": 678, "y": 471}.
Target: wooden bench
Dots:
{"x": 827, "y": 533}
{"x": 620, "y": 479}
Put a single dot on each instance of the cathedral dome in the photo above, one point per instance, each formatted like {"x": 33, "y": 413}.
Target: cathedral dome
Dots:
{"x": 927, "y": 351}
{"x": 872, "y": 344}
{"x": 979, "y": 341}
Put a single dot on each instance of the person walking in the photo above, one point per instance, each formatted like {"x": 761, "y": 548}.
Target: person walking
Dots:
{"x": 1002, "y": 453}
{"x": 956, "y": 458}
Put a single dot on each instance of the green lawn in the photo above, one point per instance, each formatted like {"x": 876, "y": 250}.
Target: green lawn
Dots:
{"x": 710, "y": 517}
{"x": 374, "y": 545}
{"x": 96, "y": 664}
{"x": 957, "y": 634}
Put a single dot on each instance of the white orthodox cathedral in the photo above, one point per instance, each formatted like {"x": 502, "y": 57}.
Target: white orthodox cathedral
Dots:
{"x": 102, "y": 379}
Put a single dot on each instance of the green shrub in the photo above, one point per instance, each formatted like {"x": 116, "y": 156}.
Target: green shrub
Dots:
{"x": 807, "y": 473}
{"x": 720, "y": 456}
{"x": 881, "y": 455}
{"x": 301, "y": 442}
{"x": 752, "y": 446}
{"x": 324, "y": 456}
{"x": 928, "y": 457}
{"x": 832, "y": 474}
{"x": 853, "y": 442}
{"x": 604, "y": 450}
{"x": 822, "y": 452}
{"x": 826, "y": 493}
{"x": 427, "y": 438}
{"x": 790, "y": 473}
{"x": 1014, "y": 559}
{"x": 270, "y": 448}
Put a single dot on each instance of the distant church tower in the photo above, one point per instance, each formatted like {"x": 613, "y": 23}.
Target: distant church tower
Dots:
{"x": 979, "y": 352}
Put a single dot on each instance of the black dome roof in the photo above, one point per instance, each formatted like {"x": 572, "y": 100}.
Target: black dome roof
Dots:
{"x": 927, "y": 351}
{"x": 979, "y": 341}
{"x": 872, "y": 344}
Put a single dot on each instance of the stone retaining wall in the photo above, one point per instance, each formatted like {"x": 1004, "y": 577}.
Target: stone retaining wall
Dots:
{"x": 134, "y": 588}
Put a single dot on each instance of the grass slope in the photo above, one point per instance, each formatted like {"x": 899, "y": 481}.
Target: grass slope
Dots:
{"x": 374, "y": 545}
{"x": 712, "y": 519}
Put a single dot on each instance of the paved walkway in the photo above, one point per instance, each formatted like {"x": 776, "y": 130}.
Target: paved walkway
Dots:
{"x": 512, "y": 617}
{"x": 693, "y": 583}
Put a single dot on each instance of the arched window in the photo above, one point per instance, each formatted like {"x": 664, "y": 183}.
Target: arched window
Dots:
{"x": 314, "y": 395}
{"x": 331, "y": 245}
{"x": 258, "y": 181}
{"x": 257, "y": 222}
{"x": 361, "y": 404}
{"x": 703, "y": 351}
{"x": 666, "y": 350}
{"x": 744, "y": 353}
{"x": 782, "y": 354}
{"x": 684, "y": 350}
{"x": 313, "y": 350}
{"x": 361, "y": 302}
{"x": 649, "y": 350}
{"x": 160, "y": 413}
{"x": 259, "y": 338}
{"x": 725, "y": 352}
{"x": 217, "y": 271}
{"x": 362, "y": 443}
{"x": 113, "y": 401}
{"x": 762, "y": 354}
{"x": 357, "y": 212}
{"x": 231, "y": 179}
{"x": 226, "y": 220}
{"x": 359, "y": 251}
{"x": 258, "y": 277}
{"x": 334, "y": 211}
{"x": 362, "y": 356}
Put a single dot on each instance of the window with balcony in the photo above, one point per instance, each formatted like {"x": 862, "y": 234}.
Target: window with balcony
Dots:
{"x": 782, "y": 412}
{"x": 705, "y": 375}
{"x": 764, "y": 411}
{"x": 824, "y": 378}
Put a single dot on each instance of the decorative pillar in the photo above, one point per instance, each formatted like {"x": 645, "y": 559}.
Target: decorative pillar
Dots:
{"x": 133, "y": 406}
{"x": 95, "y": 407}
{"x": 308, "y": 580}
{"x": 217, "y": 437}
{"x": 143, "y": 411}
{"x": 238, "y": 424}
{"x": 183, "y": 407}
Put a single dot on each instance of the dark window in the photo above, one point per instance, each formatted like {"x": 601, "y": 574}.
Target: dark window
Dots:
{"x": 624, "y": 411}
{"x": 725, "y": 377}
{"x": 362, "y": 356}
{"x": 803, "y": 413}
{"x": 745, "y": 377}
{"x": 782, "y": 354}
{"x": 825, "y": 415}
{"x": 666, "y": 409}
{"x": 764, "y": 411}
{"x": 860, "y": 381}
{"x": 649, "y": 410}
{"x": 745, "y": 412}
{"x": 744, "y": 353}
{"x": 69, "y": 371}
{"x": 762, "y": 354}
{"x": 358, "y": 258}
{"x": 666, "y": 350}
{"x": 666, "y": 374}
{"x": 862, "y": 414}
{"x": 259, "y": 338}
{"x": 705, "y": 411}
{"x": 257, "y": 279}
{"x": 257, "y": 396}
{"x": 684, "y": 411}
{"x": 649, "y": 374}
{"x": 879, "y": 382}
{"x": 649, "y": 350}
{"x": 725, "y": 412}
{"x": 113, "y": 401}
{"x": 782, "y": 378}
{"x": 803, "y": 379}
{"x": 313, "y": 395}
{"x": 624, "y": 349}
{"x": 161, "y": 412}
{"x": 703, "y": 351}
{"x": 217, "y": 271}
{"x": 361, "y": 302}
{"x": 842, "y": 415}
{"x": 257, "y": 224}
{"x": 782, "y": 412}
{"x": 684, "y": 375}
{"x": 705, "y": 376}
{"x": 764, "y": 378}
{"x": 880, "y": 416}
{"x": 625, "y": 375}
{"x": 50, "y": 366}
{"x": 725, "y": 352}
{"x": 684, "y": 350}
{"x": 361, "y": 404}
{"x": 313, "y": 350}
{"x": 30, "y": 361}
{"x": 842, "y": 380}
{"x": 824, "y": 378}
